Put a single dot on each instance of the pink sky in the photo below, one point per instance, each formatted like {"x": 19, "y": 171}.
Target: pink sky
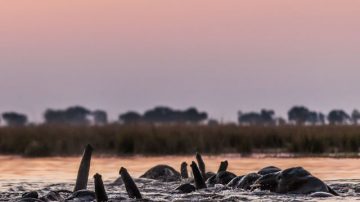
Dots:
{"x": 221, "y": 56}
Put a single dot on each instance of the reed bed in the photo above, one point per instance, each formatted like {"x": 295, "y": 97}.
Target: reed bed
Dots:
{"x": 57, "y": 140}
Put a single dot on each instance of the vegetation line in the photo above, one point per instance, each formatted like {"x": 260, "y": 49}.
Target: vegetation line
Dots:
{"x": 179, "y": 139}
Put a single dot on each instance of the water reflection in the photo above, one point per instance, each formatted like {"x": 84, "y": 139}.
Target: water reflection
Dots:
{"x": 64, "y": 169}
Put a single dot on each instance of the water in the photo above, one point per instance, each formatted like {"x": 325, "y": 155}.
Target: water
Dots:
{"x": 18, "y": 175}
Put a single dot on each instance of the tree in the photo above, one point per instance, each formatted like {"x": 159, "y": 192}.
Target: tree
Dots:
{"x": 14, "y": 119}
{"x": 75, "y": 115}
{"x": 163, "y": 115}
{"x": 322, "y": 118}
{"x": 100, "y": 117}
{"x": 355, "y": 116}
{"x": 298, "y": 114}
{"x": 250, "y": 118}
{"x": 338, "y": 116}
{"x": 54, "y": 116}
{"x": 192, "y": 115}
{"x": 265, "y": 117}
{"x": 130, "y": 117}
{"x": 313, "y": 118}
{"x": 213, "y": 122}
{"x": 160, "y": 115}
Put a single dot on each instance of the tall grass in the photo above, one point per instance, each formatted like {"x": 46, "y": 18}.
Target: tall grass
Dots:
{"x": 178, "y": 139}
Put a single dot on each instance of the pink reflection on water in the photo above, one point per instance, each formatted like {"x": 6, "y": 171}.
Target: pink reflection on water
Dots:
{"x": 64, "y": 169}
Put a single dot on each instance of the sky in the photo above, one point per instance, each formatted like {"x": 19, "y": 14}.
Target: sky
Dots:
{"x": 218, "y": 55}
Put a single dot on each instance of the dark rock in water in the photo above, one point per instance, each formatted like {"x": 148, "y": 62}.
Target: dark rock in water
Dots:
{"x": 321, "y": 194}
{"x": 163, "y": 173}
{"x": 233, "y": 183}
{"x": 222, "y": 177}
{"x": 32, "y": 194}
{"x": 83, "y": 195}
{"x": 268, "y": 170}
{"x": 247, "y": 181}
{"x": 186, "y": 188}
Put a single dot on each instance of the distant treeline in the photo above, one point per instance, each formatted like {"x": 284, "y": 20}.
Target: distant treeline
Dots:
{"x": 78, "y": 115}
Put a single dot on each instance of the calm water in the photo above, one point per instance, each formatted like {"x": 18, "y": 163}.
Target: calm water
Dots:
{"x": 64, "y": 169}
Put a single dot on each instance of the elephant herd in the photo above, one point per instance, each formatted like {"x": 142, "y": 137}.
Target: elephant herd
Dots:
{"x": 295, "y": 180}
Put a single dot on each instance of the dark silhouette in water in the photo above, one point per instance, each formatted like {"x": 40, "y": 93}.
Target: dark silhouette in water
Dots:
{"x": 246, "y": 182}
{"x": 268, "y": 170}
{"x": 223, "y": 166}
{"x": 184, "y": 171}
{"x": 199, "y": 180}
{"x": 201, "y": 164}
{"x": 100, "y": 192}
{"x": 32, "y": 194}
{"x": 292, "y": 181}
{"x": 162, "y": 172}
{"x": 83, "y": 173}
{"x": 82, "y": 195}
{"x": 186, "y": 188}
{"x": 130, "y": 185}
{"x": 222, "y": 176}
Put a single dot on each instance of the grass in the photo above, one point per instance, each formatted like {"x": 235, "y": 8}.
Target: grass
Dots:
{"x": 178, "y": 139}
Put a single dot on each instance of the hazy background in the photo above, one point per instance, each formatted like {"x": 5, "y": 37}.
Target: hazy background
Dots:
{"x": 220, "y": 56}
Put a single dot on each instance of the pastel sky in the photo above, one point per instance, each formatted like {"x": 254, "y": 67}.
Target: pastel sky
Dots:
{"x": 218, "y": 55}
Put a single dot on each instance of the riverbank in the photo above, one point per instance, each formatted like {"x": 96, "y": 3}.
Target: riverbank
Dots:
{"x": 45, "y": 140}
